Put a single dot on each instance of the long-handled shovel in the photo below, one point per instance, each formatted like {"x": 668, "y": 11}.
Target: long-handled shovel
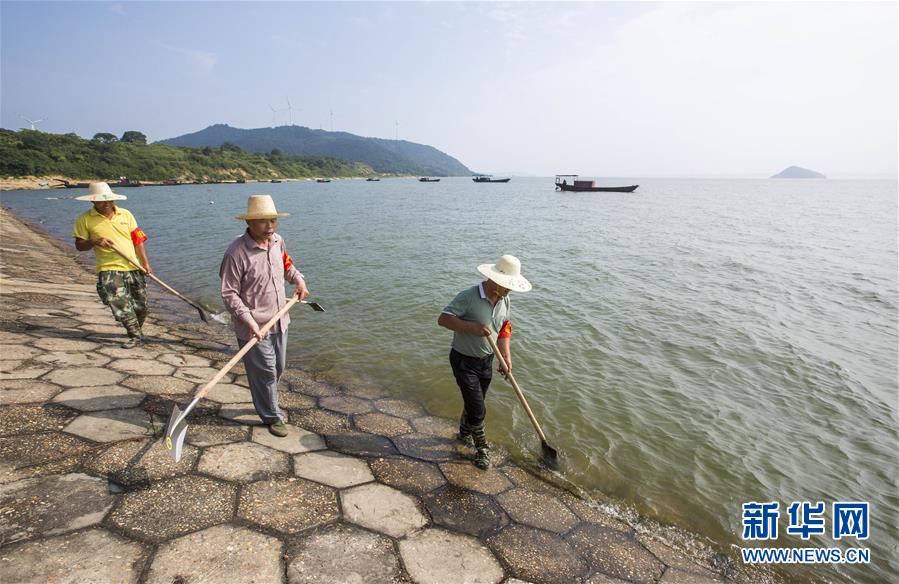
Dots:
{"x": 131, "y": 259}
{"x": 176, "y": 430}
{"x": 550, "y": 457}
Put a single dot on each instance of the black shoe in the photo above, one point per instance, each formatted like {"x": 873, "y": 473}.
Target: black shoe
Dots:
{"x": 482, "y": 459}
{"x": 131, "y": 342}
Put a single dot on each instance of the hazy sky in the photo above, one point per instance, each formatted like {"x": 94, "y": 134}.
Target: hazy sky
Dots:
{"x": 601, "y": 88}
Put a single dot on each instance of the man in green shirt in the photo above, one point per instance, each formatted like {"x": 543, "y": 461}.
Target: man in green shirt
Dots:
{"x": 474, "y": 314}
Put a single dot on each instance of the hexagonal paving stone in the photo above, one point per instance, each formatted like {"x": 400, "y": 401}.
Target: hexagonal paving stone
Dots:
{"x": 436, "y": 426}
{"x": 680, "y": 567}
{"x": 201, "y": 374}
{"x": 23, "y": 391}
{"x": 241, "y": 413}
{"x": 63, "y": 359}
{"x": 73, "y": 558}
{"x": 20, "y": 419}
{"x": 538, "y": 556}
{"x": 400, "y": 408}
{"x": 465, "y": 511}
{"x": 537, "y": 510}
{"x": 320, "y": 421}
{"x": 141, "y": 367}
{"x": 360, "y": 444}
{"x": 174, "y": 507}
{"x": 426, "y": 447}
{"x": 101, "y": 332}
{"x": 144, "y": 351}
{"x": 591, "y": 512}
{"x": 160, "y": 385}
{"x": 68, "y": 345}
{"x": 296, "y": 441}
{"x": 182, "y": 360}
{"x": 27, "y": 455}
{"x": 332, "y": 468}
{"x": 219, "y": 554}
{"x": 382, "y": 424}
{"x": 381, "y": 508}
{"x": 523, "y": 478}
{"x": 291, "y": 400}
{"x": 435, "y": 555}
{"x": 136, "y": 462}
{"x": 288, "y": 505}
{"x": 212, "y": 434}
{"x": 84, "y": 376}
{"x": 92, "y": 399}
{"x": 22, "y": 373}
{"x": 228, "y": 393}
{"x": 18, "y": 352}
{"x": 242, "y": 461}
{"x": 52, "y": 505}
{"x": 346, "y": 404}
{"x": 109, "y": 425}
{"x": 463, "y": 474}
{"x": 407, "y": 474}
{"x": 363, "y": 557}
{"x": 616, "y": 554}
{"x": 304, "y": 383}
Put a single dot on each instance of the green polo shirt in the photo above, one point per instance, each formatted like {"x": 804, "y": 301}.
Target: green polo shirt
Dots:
{"x": 472, "y": 304}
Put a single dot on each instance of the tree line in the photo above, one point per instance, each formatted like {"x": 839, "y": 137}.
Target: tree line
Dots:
{"x": 106, "y": 156}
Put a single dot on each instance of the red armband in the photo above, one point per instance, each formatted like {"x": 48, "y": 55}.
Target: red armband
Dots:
{"x": 288, "y": 261}
{"x": 505, "y": 331}
{"x": 138, "y": 236}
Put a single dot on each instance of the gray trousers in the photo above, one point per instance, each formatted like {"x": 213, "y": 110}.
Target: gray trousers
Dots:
{"x": 264, "y": 364}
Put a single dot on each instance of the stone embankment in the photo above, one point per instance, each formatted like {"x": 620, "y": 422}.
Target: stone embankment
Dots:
{"x": 365, "y": 488}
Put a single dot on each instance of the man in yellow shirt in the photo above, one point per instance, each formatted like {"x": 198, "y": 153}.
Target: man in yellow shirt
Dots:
{"x": 120, "y": 284}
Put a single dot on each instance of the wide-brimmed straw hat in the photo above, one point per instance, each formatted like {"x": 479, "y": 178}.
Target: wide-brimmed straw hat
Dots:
{"x": 507, "y": 273}
{"x": 100, "y": 191}
{"x": 261, "y": 207}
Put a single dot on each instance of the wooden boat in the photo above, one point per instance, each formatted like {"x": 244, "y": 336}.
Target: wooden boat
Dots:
{"x": 426, "y": 179}
{"x": 372, "y": 179}
{"x": 490, "y": 179}
{"x": 587, "y": 186}
{"x": 322, "y": 180}
{"x": 171, "y": 181}
{"x": 275, "y": 180}
{"x": 126, "y": 182}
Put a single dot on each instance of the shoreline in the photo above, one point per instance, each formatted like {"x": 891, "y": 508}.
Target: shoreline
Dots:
{"x": 501, "y": 518}
{"x": 57, "y": 182}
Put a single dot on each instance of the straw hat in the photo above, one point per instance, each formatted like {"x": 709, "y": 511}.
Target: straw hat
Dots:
{"x": 100, "y": 191}
{"x": 507, "y": 273}
{"x": 261, "y": 207}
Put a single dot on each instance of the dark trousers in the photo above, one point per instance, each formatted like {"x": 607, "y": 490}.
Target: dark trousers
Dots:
{"x": 473, "y": 376}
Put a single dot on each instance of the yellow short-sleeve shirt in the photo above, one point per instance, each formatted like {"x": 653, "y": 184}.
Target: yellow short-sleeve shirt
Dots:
{"x": 121, "y": 229}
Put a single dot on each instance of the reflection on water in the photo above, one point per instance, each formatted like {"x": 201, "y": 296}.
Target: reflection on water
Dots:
{"x": 687, "y": 348}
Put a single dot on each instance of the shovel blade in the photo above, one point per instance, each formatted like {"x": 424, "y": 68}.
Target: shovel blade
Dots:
{"x": 549, "y": 457}
{"x": 315, "y": 306}
{"x": 175, "y": 432}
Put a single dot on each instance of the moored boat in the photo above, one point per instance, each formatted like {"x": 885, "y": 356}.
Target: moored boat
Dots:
{"x": 587, "y": 186}
{"x": 322, "y": 180}
{"x": 427, "y": 179}
{"x": 372, "y": 179}
{"x": 490, "y": 179}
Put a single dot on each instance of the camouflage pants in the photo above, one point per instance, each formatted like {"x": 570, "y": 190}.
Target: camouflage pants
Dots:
{"x": 126, "y": 294}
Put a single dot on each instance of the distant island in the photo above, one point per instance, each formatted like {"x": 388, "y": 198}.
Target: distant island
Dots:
{"x": 398, "y": 157}
{"x": 798, "y": 172}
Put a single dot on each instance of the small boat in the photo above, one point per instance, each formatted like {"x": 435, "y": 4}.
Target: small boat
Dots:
{"x": 124, "y": 181}
{"x": 78, "y": 185}
{"x": 490, "y": 179}
{"x": 275, "y": 180}
{"x": 372, "y": 179}
{"x": 171, "y": 181}
{"x": 241, "y": 181}
{"x": 322, "y": 180}
{"x": 426, "y": 179}
{"x": 587, "y": 186}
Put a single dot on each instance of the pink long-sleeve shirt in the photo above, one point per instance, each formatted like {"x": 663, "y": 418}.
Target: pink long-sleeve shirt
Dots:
{"x": 253, "y": 280}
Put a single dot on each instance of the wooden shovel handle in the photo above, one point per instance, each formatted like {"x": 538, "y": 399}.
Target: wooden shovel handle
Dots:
{"x": 243, "y": 351}
{"x": 518, "y": 391}
{"x": 131, "y": 259}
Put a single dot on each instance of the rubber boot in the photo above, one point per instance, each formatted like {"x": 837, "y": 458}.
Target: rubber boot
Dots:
{"x": 465, "y": 432}
{"x": 482, "y": 454}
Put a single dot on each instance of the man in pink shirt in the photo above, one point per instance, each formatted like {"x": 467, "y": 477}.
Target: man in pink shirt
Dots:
{"x": 253, "y": 272}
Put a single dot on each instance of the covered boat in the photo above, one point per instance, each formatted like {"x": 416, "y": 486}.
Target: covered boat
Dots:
{"x": 490, "y": 179}
{"x": 571, "y": 182}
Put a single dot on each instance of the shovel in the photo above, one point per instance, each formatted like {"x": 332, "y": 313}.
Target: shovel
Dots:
{"x": 550, "y": 457}
{"x": 176, "y": 430}
{"x": 133, "y": 260}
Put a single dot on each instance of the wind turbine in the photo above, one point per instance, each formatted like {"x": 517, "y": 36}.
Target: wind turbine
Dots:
{"x": 274, "y": 112}
{"x": 32, "y": 122}
{"x": 289, "y": 110}
{"x": 330, "y": 111}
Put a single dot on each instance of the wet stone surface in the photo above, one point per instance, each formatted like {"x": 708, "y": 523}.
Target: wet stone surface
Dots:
{"x": 465, "y": 511}
{"x": 538, "y": 556}
{"x": 174, "y": 507}
{"x": 363, "y": 557}
{"x": 407, "y": 474}
{"x": 537, "y": 510}
{"x": 320, "y": 421}
{"x": 382, "y": 424}
{"x": 360, "y": 444}
{"x": 288, "y": 505}
{"x": 463, "y": 474}
{"x": 435, "y": 555}
{"x": 617, "y": 554}
{"x": 426, "y": 447}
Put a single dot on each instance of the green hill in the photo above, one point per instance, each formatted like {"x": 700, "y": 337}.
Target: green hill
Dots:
{"x": 386, "y": 156}
{"x": 33, "y": 153}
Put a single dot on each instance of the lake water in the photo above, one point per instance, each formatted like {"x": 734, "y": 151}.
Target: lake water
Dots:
{"x": 690, "y": 347}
